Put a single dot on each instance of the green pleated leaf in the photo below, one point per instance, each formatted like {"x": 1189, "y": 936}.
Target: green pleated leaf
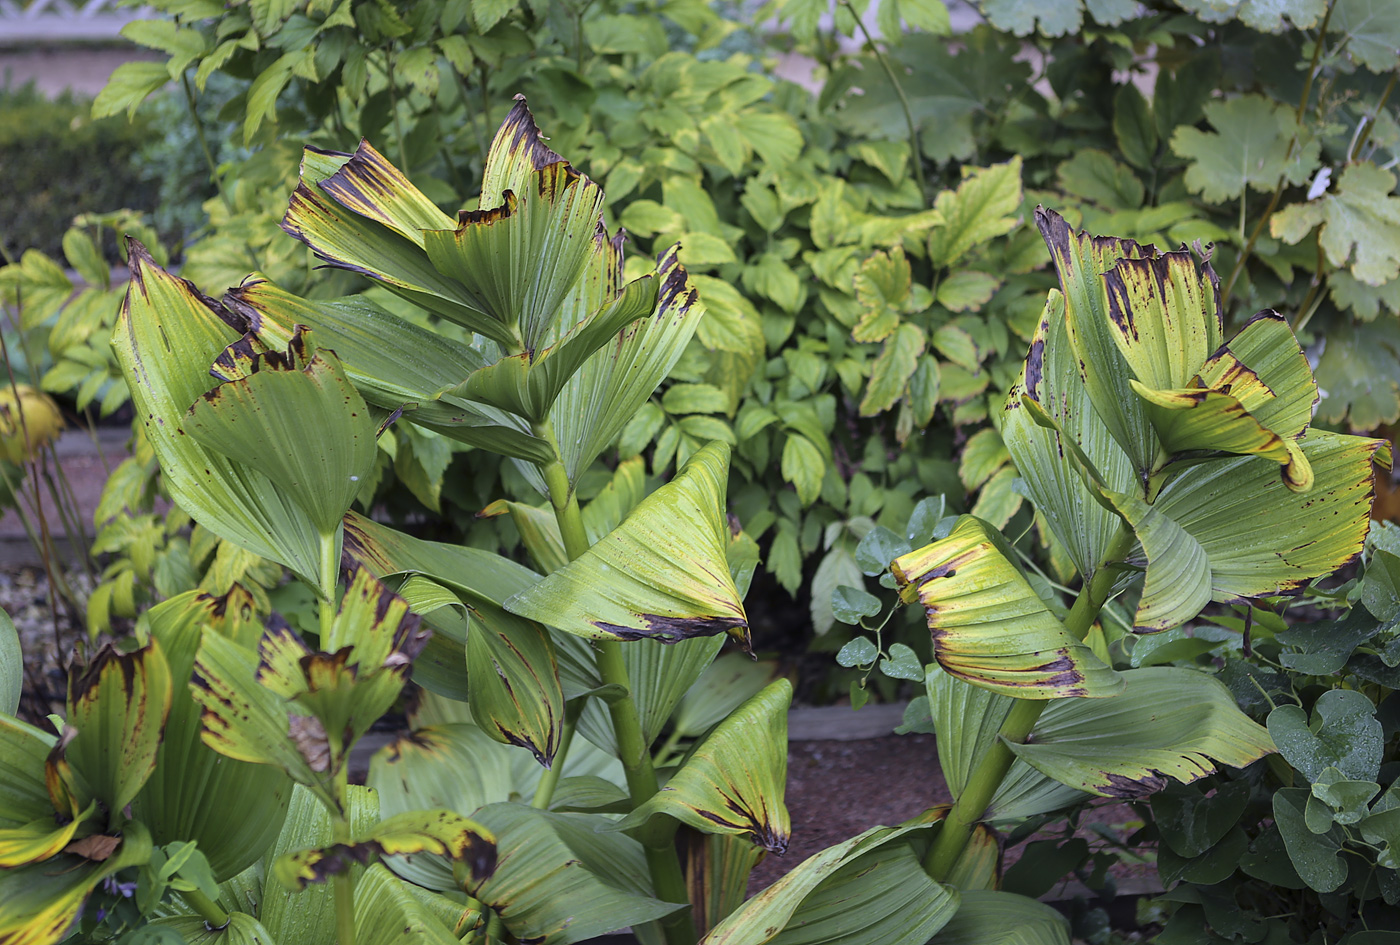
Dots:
{"x": 1164, "y": 316}
{"x": 232, "y": 809}
{"x": 345, "y": 239}
{"x": 425, "y": 832}
{"x": 733, "y": 781}
{"x": 242, "y": 929}
{"x": 514, "y": 689}
{"x": 527, "y": 384}
{"x": 662, "y": 574}
{"x": 522, "y": 256}
{"x": 11, "y": 666}
{"x": 1270, "y": 349}
{"x": 869, "y": 890}
{"x": 1237, "y": 508}
{"x": 118, "y": 704}
{"x": 1080, "y": 261}
{"x": 560, "y": 881}
{"x": 1105, "y": 748}
{"x": 717, "y": 868}
{"x": 472, "y": 574}
{"x": 307, "y": 917}
{"x": 1177, "y": 584}
{"x": 967, "y": 720}
{"x": 539, "y": 532}
{"x": 517, "y": 152}
{"x": 299, "y": 421}
{"x": 40, "y": 839}
{"x": 726, "y": 684}
{"x": 988, "y": 917}
{"x": 1050, "y": 377}
{"x": 613, "y": 384}
{"x": 1199, "y": 419}
{"x": 165, "y": 338}
{"x": 246, "y": 721}
{"x": 44, "y": 900}
{"x": 660, "y": 675}
{"x": 393, "y": 363}
{"x": 989, "y": 626}
{"x": 24, "y": 797}
{"x": 372, "y": 187}
{"x": 387, "y": 909}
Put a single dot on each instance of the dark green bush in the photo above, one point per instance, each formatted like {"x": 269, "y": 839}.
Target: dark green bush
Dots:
{"x": 58, "y": 162}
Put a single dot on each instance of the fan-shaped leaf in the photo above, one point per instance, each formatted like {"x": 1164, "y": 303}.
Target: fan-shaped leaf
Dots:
{"x": 662, "y": 574}
{"x": 989, "y": 626}
{"x": 432, "y": 832}
{"x": 165, "y": 338}
{"x": 733, "y": 781}
{"x": 1168, "y": 722}
{"x": 1164, "y": 316}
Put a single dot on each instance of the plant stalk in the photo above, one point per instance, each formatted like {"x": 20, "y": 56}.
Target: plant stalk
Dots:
{"x": 915, "y": 155}
{"x": 981, "y": 787}
{"x": 214, "y": 916}
{"x": 662, "y": 861}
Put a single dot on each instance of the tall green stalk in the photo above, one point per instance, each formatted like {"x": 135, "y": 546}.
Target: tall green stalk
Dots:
{"x": 662, "y": 861}
{"x": 953, "y": 836}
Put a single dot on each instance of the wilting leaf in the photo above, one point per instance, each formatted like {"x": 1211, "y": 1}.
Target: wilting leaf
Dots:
{"x": 1177, "y": 584}
{"x": 1051, "y": 377}
{"x": 1164, "y": 316}
{"x": 1080, "y": 259}
{"x": 988, "y": 624}
{"x": 662, "y": 574}
{"x": 733, "y": 781}
{"x": 1195, "y": 724}
{"x": 1236, "y": 508}
{"x": 232, "y": 809}
{"x": 118, "y": 704}
{"x": 296, "y": 419}
{"x": 604, "y": 394}
{"x": 899, "y": 902}
{"x": 165, "y": 338}
{"x": 432, "y": 832}
{"x": 514, "y": 689}
{"x": 43, "y": 900}
{"x": 561, "y": 881}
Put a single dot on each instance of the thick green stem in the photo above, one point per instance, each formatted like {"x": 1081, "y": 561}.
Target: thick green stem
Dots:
{"x": 982, "y": 786}
{"x": 632, "y": 749}
{"x": 207, "y": 909}
{"x": 327, "y": 577}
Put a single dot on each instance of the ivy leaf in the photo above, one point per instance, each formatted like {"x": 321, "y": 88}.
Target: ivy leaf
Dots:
{"x": 859, "y": 652}
{"x": 1343, "y": 734}
{"x": 902, "y": 663}
{"x": 1372, "y": 31}
{"x": 1362, "y": 215}
{"x": 1248, "y": 148}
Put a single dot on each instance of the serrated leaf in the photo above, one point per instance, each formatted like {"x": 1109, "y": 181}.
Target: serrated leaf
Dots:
{"x": 983, "y": 207}
{"x": 890, "y": 374}
{"x": 1097, "y": 177}
{"x": 1371, "y": 30}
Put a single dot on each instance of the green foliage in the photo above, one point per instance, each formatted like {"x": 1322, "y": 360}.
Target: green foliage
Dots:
{"x": 47, "y": 148}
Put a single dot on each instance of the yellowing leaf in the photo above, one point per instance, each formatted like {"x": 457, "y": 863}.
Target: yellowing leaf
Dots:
{"x": 989, "y": 627}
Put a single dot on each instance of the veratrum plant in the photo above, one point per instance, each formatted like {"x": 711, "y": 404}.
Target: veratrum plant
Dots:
{"x": 1151, "y": 446}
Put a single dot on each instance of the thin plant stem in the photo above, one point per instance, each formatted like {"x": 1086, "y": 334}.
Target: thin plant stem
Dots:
{"x": 214, "y": 177}
{"x": 1254, "y": 235}
{"x": 394, "y": 108}
{"x": 662, "y": 860}
{"x": 915, "y": 154}
{"x": 991, "y": 770}
{"x": 1375, "y": 113}
{"x": 544, "y": 791}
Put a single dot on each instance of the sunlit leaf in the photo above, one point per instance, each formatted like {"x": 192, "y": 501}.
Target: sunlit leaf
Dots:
{"x": 990, "y": 627}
